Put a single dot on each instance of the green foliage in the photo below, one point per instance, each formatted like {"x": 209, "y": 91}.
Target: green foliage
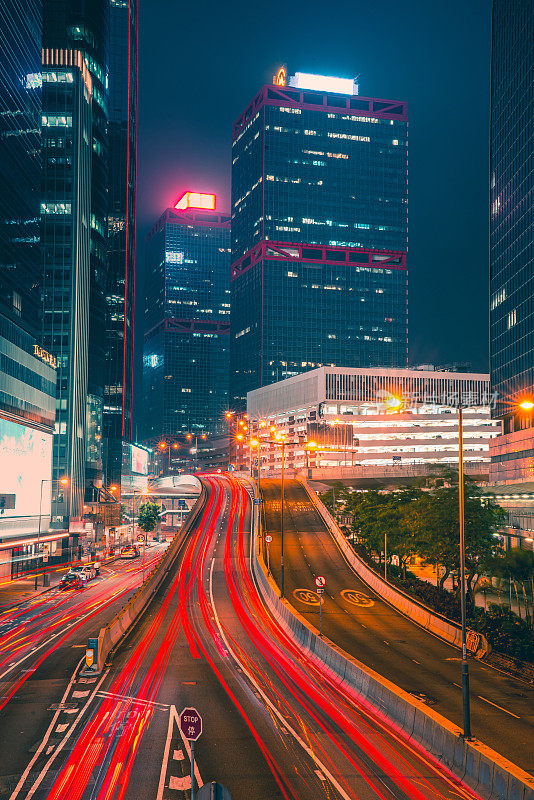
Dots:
{"x": 425, "y": 523}
{"x": 148, "y": 516}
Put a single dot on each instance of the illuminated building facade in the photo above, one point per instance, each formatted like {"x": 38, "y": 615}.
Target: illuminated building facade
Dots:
{"x": 20, "y": 162}
{"x": 65, "y": 236}
{"x": 319, "y": 232}
{"x": 84, "y": 28}
{"x": 120, "y": 291}
{"x": 512, "y": 238}
{"x": 373, "y": 418}
{"x": 187, "y": 310}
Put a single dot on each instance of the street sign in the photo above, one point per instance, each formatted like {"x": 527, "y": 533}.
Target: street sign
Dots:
{"x": 268, "y": 538}
{"x": 257, "y": 502}
{"x": 6, "y": 501}
{"x": 320, "y": 581}
{"x": 191, "y": 724}
{"x": 320, "y": 591}
{"x": 89, "y": 657}
{"x": 140, "y": 538}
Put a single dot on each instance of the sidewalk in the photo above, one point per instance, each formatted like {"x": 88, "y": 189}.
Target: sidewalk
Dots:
{"x": 20, "y": 589}
{"x": 482, "y": 598}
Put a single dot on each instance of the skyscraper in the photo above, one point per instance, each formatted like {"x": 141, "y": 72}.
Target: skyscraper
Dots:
{"x": 512, "y": 238}
{"x": 319, "y": 232}
{"x": 186, "y": 350}
{"x": 27, "y": 372}
{"x": 76, "y": 34}
{"x": 20, "y": 162}
{"x": 65, "y": 234}
{"x": 120, "y": 292}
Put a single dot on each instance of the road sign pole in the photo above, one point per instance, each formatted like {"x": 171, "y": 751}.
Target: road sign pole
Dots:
{"x": 192, "y": 770}
{"x": 269, "y": 560}
{"x": 320, "y": 617}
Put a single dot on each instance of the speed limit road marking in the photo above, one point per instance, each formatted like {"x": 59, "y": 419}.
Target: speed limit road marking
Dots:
{"x": 306, "y": 596}
{"x": 357, "y": 598}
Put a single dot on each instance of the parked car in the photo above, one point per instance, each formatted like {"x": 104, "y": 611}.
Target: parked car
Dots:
{"x": 130, "y": 552}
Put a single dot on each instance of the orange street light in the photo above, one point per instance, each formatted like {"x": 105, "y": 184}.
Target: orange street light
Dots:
{"x": 188, "y": 436}
{"x": 113, "y": 488}
{"x": 203, "y": 436}
{"x": 272, "y": 429}
{"x": 239, "y": 437}
{"x": 311, "y": 445}
{"x": 526, "y": 405}
{"x": 162, "y": 445}
{"x": 229, "y": 414}
{"x": 64, "y": 481}
{"x": 175, "y": 445}
{"x": 254, "y": 443}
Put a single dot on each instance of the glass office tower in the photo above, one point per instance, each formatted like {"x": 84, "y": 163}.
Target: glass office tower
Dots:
{"x": 20, "y": 162}
{"x": 186, "y": 350}
{"x": 65, "y": 236}
{"x": 120, "y": 292}
{"x": 83, "y": 26}
{"x": 319, "y": 232}
{"x": 512, "y": 237}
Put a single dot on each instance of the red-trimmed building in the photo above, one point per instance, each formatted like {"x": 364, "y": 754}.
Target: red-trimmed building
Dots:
{"x": 319, "y": 232}
{"x": 187, "y": 322}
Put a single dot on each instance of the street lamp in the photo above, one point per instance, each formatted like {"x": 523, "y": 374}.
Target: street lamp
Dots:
{"x": 461, "y": 500}
{"x": 63, "y": 482}
{"x": 279, "y": 440}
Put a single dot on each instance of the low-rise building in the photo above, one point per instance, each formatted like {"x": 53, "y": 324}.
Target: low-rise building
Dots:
{"x": 372, "y": 418}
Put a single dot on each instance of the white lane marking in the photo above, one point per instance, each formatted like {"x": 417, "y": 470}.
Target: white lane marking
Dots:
{"x": 180, "y": 783}
{"x": 273, "y": 708}
{"x": 62, "y": 728}
{"x": 63, "y": 742}
{"x": 499, "y": 707}
{"x": 47, "y": 735}
{"x": 165, "y": 759}
{"x": 79, "y": 694}
{"x": 178, "y": 755}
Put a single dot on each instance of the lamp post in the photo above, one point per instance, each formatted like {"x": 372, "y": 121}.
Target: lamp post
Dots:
{"x": 279, "y": 440}
{"x": 461, "y": 499}
{"x": 64, "y": 482}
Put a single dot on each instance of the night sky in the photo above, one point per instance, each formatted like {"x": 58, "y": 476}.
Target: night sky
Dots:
{"x": 201, "y": 63}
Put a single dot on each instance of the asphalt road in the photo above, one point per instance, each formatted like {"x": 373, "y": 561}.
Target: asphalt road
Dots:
{"x": 41, "y": 641}
{"x": 275, "y": 726}
{"x": 356, "y": 619}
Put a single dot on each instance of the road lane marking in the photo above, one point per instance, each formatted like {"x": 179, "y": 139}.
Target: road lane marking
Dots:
{"x": 415, "y": 661}
{"x": 273, "y": 708}
{"x": 306, "y": 596}
{"x": 357, "y": 598}
{"x": 499, "y": 707}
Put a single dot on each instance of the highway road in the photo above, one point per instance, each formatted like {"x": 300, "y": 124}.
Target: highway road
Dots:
{"x": 362, "y": 624}
{"x": 275, "y": 726}
{"x": 41, "y": 641}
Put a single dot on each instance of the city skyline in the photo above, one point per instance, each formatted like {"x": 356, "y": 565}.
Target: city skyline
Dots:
{"x": 449, "y": 139}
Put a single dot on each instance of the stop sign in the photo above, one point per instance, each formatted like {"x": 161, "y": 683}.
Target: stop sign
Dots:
{"x": 191, "y": 724}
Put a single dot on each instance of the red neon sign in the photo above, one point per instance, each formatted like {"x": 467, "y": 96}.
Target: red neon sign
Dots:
{"x": 196, "y": 200}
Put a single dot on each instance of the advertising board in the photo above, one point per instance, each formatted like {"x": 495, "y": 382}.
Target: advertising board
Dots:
{"x": 26, "y": 459}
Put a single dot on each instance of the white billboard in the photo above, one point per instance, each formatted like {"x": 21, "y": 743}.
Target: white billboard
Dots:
{"x": 139, "y": 460}
{"x": 25, "y": 461}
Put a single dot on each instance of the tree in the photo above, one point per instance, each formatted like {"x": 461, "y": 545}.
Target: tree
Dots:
{"x": 148, "y": 516}
{"x": 439, "y": 531}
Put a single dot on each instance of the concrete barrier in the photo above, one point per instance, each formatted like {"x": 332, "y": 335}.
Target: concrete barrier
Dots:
{"x": 413, "y": 609}
{"x": 479, "y": 767}
{"x": 111, "y": 635}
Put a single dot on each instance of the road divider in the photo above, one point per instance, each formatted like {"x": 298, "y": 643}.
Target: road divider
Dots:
{"x": 100, "y": 648}
{"x": 415, "y": 611}
{"x": 478, "y": 766}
